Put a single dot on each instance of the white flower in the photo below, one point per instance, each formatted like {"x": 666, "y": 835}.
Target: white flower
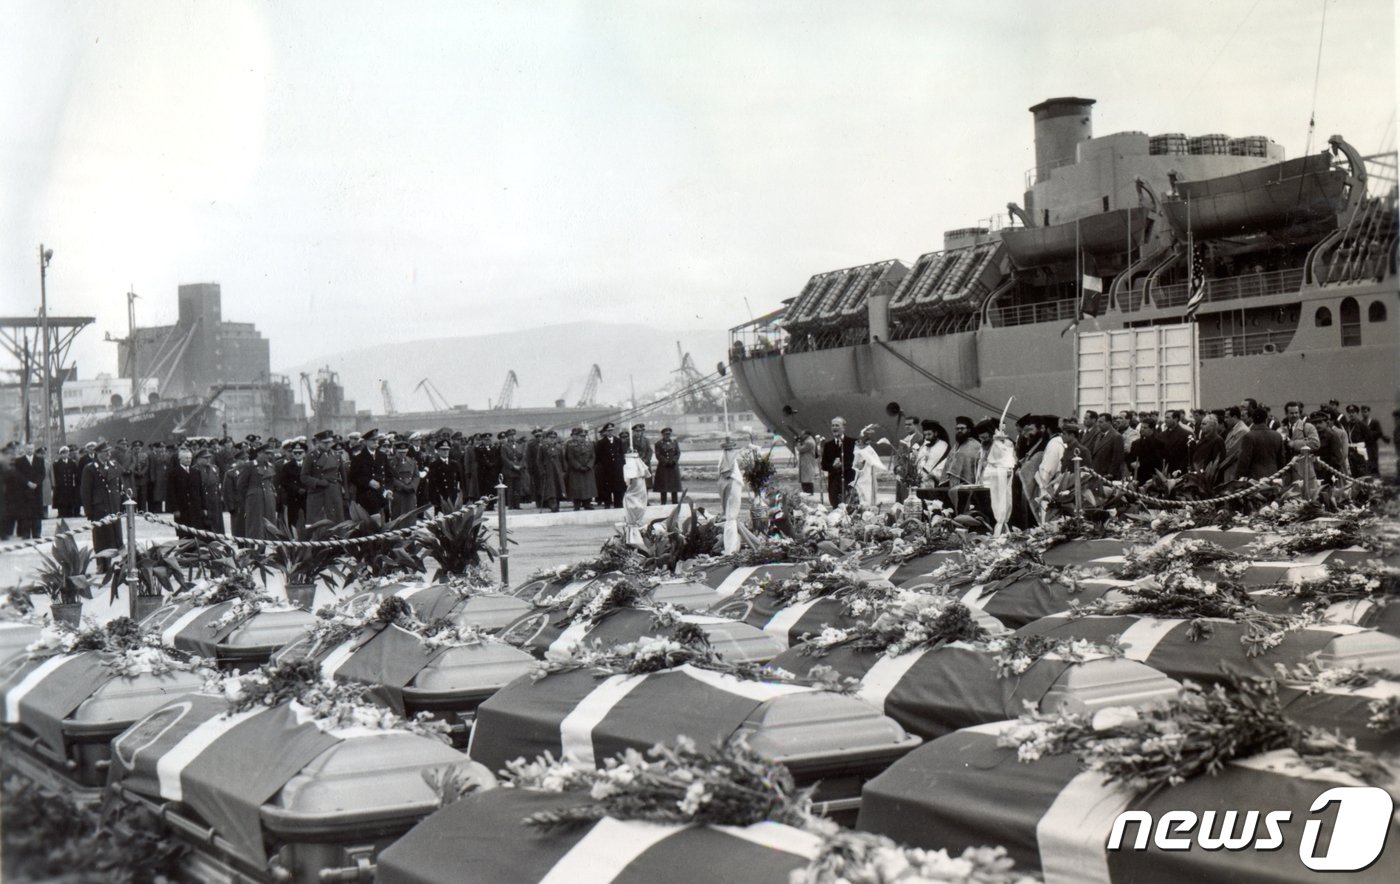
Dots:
{"x": 1111, "y": 717}
{"x": 695, "y": 795}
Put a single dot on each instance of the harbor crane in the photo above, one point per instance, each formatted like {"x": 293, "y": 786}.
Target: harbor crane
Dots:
{"x": 503, "y": 401}
{"x": 435, "y": 397}
{"x": 590, "y": 387}
{"x": 388, "y": 395}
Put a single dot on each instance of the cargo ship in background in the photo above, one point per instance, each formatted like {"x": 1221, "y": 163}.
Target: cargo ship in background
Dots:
{"x": 1086, "y": 299}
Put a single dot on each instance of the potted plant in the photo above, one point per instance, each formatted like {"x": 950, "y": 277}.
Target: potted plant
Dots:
{"x": 457, "y": 544}
{"x": 383, "y": 556}
{"x": 305, "y": 566}
{"x": 63, "y": 576}
{"x": 158, "y": 571}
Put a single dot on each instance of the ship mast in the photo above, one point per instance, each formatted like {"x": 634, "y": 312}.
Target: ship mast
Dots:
{"x": 131, "y": 297}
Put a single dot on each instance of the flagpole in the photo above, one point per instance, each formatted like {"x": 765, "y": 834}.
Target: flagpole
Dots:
{"x": 1190, "y": 256}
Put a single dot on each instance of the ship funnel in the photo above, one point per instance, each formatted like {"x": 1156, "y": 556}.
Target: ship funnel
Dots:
{"x": 1060, "y": 125}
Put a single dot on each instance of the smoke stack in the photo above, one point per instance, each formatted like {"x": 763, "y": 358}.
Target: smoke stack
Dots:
{"x": 1060, "y": 125}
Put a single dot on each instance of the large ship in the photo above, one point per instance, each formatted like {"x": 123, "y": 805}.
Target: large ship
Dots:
{"x": 1143, "y": 272}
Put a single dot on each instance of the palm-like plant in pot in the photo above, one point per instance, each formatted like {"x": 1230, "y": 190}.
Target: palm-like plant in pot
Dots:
{"x": 457, "y": 544}
{"x": 383, "y": 556}
{"x": 158, "y": 571}
{"x": 305, "y": 566}
{"x": 63, "y": 576}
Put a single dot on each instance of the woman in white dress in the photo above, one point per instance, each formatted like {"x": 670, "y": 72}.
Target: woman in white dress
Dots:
{"x": 634, "y": 501}
{"x": 867, "y": 463}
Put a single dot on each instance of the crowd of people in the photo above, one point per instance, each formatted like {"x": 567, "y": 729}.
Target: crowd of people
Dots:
{"x": 1245, "y": 440}
{"x": 239, "y": 486}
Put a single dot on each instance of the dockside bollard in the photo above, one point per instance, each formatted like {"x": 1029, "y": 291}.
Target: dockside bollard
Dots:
{"x": 501, "y": 516}
{"x": 129, "y": 506}
{"x": 1078, "y": 488}
{"x": 1310, "y": 488}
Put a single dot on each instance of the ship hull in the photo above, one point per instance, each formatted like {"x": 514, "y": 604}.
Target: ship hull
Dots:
{"x": 1035, "y": 363}
{"x": 158, "y": 422}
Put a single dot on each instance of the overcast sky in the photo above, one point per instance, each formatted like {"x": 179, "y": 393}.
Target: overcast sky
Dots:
{"x": 359, "y": 172}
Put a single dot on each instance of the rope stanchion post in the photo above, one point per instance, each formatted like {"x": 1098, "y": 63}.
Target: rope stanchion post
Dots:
{"x": 1310, "y": 488}
{"x": 1078, "y": 486}
{"x": 129, "y": 507}
{"x": 501, "y": 518}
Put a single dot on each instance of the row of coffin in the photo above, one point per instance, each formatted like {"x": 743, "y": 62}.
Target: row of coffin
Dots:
{"x": 330, "y": 801}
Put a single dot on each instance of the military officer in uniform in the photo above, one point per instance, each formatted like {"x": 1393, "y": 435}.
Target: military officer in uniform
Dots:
{"x": 444, "y": 479}
{"x": 514, "y": 470}
{"x": 403, "y": 480}
{"x": 579, "y": 458}
{"x": 369, "y": 474}
{"x": 323, "y": 476}
{"x": 66, "y": 477}
{"x": 102, "y": 496}
{"x": 609, "y": 454}
{"x": 668, "y": 467}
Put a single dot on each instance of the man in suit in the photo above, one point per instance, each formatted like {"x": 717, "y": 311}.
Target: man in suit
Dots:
{"x": 1298, "y": 433}
{"x": 1236, "y": 429}
{"x": 444, "y": 480}
{"x": 1210, "y": 448}
{"x": 1262, "y": 450}
{"x": 27, "y": 493}
{"x": 838, "y": 462}
{"x": 1175, "y": 441}
{"x": 185, "y": 491}
{"x": 1375, "y": 434}
{"x": 1106, "y": 449}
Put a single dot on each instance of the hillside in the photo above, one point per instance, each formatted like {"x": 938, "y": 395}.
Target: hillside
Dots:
{"x": 551, "y": 362}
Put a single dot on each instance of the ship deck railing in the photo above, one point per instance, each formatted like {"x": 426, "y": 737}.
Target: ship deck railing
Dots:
{"x": 1245, "y": 343}
{"x": 1026, "y": 314}
{"x": 1247, "y": 285}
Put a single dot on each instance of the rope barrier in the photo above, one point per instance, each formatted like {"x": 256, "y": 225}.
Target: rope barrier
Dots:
{"x": 40, "y": 541}
{"x": 1182, "y": 504}
{"x": 338, "y": 543}
{"x": 1353, "y": 480}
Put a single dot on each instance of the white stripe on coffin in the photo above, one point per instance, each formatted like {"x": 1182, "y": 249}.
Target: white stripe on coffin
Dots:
{"x": 880, "y": 679}
{"x": 608, "y": 848}
{"x": 733, "y": 580}
{"x": 167, "y": 635}
{"x": 11, "y": 624}
{"x": 337, "y": 658}
{"x": 409, "y": 592}
{"x": 569, "y": 638}
{"x": 776, "y": 836}
{"x": 1142, "y": 638}
{"x": 784, "y": 620}
{"x": 762, "y": 691}
{"x": 1070, "y": 835}
{"x": 576, "y": 730}
{"x": 30, "y": 682}
{"x": 173, "y": 763}
{"x": 973, "y": 599}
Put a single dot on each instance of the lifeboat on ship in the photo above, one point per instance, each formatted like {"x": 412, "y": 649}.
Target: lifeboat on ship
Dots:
{"x": 1296, "y": 197}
